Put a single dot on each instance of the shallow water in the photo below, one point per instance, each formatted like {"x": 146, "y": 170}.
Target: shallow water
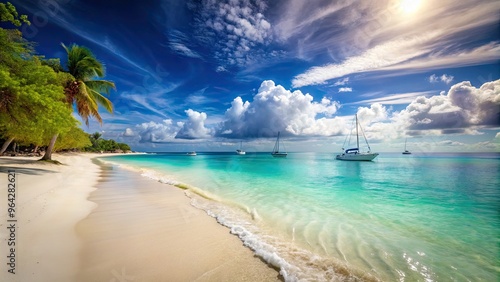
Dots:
{"x": 407, "y": 218}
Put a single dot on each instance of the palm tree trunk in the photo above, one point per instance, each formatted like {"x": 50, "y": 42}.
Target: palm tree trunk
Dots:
{"x": 48, "y": 152}
{"x": 6, "y": 145}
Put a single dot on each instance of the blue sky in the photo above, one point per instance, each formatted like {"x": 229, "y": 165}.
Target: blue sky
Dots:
{"x": 203, "y": 75}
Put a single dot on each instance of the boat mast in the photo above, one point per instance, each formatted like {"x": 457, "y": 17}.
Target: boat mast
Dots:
{"x": 278, "y": 142}
{"x": 357, "y": 136}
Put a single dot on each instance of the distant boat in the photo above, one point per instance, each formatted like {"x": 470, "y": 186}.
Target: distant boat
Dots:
{"x": 406, "y": 152}
{"x": 354, "y": 154}
{"x": 191, "y": 153}
{"x": 240, "y": 150}
{"x": 276, "y": 150}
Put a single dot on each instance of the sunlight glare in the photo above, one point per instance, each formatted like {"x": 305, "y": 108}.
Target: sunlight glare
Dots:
{"x": 409, "y": 6}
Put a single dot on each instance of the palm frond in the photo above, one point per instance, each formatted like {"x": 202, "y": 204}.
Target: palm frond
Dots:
{"x": 85, "y": 67}
{"x": 101, "y": 85}
{"x": 101, "y": 100}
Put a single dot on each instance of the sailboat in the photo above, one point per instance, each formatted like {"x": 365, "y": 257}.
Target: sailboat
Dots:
{"x": 240, "y": 150}
{"x": 354, "y": 154}
{"x": 276, "y": 150}
{"x": 406, "y": 152}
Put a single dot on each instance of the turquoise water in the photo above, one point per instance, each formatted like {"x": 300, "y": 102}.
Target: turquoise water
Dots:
{"x": 398, "y": 218}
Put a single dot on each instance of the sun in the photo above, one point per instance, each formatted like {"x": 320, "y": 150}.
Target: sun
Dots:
{"x": 409, "y": 6}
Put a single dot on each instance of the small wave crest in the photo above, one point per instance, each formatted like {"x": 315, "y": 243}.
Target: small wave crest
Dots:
{"x": 293, "y": 263}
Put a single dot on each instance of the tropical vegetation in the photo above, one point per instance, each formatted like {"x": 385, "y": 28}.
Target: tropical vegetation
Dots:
{"x": 37, "y": 95}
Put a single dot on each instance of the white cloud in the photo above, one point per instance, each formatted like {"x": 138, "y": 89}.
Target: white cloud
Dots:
{"x": 194, "y": 127}
{"x": 129, "y": 132}
{"x": 198, "y": 100}
{"x": 221, "y": 69}
{"x": 393, "y": 99}
{"x": 153, "y": 132}
{"x": 342, "y": 81}
{"x": 345, "y": 89}
{"x": 239, "y": 25}
{"x": 459, "y": 111}
{"x": 447, "y": 78}
{"x": 449, "y": 143}
{"x": 276, "y": 109}
{"x": 462, "y": 110}
{"x": 384, "y": 40}
{"x": 443, "y": 78}
{"x": 383, "y": 55}
{"x": 179, "y": 43}
{"x": 182, "y": 49}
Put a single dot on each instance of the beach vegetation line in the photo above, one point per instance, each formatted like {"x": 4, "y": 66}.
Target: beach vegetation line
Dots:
{"x": 38, "y": 95}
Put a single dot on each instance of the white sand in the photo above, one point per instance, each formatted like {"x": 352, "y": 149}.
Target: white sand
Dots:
{"x": 50, "y": 200}
{"x": 69, "y": 230}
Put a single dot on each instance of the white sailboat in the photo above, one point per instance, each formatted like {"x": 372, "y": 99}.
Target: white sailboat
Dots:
{"x": 354, "y": 154}
{"x": 240, "y": 150}
{"x": 276, "y": 150}
{"x": 406, "y": 152}
{"x": 193, "y": 153}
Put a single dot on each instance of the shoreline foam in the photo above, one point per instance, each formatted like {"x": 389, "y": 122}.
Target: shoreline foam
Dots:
{"x": 292, "y": 262}
{"x": 159, "y": 236}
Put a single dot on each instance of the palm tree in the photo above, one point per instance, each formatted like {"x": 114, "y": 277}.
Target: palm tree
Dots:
{"x": 84, "y": 91}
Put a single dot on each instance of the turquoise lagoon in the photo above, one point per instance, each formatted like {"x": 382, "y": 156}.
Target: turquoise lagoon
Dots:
{"x": 423, "y": 217}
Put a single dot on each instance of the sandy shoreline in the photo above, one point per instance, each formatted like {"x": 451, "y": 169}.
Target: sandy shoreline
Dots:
{"x": 84, "y": 222}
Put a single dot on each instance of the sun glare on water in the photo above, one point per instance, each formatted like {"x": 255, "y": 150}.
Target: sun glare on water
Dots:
{"x": 409, "y": 6}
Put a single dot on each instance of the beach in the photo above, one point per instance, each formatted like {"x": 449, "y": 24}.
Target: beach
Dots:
{"x": 85, "y": 221}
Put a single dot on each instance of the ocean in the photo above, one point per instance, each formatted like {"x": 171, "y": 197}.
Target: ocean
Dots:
{"x": 420, "y": 217}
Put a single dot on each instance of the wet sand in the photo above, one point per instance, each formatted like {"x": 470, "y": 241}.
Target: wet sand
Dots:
{"x": 84, "y": 222}
{"x": 143, "y": 230}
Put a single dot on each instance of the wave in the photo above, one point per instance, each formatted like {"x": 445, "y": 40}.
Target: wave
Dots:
{"x": 292, "y": 262}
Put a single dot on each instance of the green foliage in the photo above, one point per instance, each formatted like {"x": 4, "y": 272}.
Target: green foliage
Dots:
{"x": 35, "y": 92}
{"x": 85, "y": 91}
{"x": 124, "y": 147}
{"x": 32, "y": 107}
{"x": 8, "y": 13}
{"x": 76, "y": 138}
{"x": 13, "y": 48}
{"x": 55, "y": 64}
{"x": 105, "y": 145}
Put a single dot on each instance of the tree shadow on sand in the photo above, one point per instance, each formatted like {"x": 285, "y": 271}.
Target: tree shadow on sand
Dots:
{"x": 7, "y": 165}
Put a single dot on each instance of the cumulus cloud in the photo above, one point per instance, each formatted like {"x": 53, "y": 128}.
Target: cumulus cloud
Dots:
{"x": 462, "y": 108}
{"x": 443, "y": 78}
{"x": 158, "y": 132}
{"x": 345, "y": 89}
{"x": 276, "y": 109}
{"x": 128, "y": 133}
{"x": 194, "y": 127}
